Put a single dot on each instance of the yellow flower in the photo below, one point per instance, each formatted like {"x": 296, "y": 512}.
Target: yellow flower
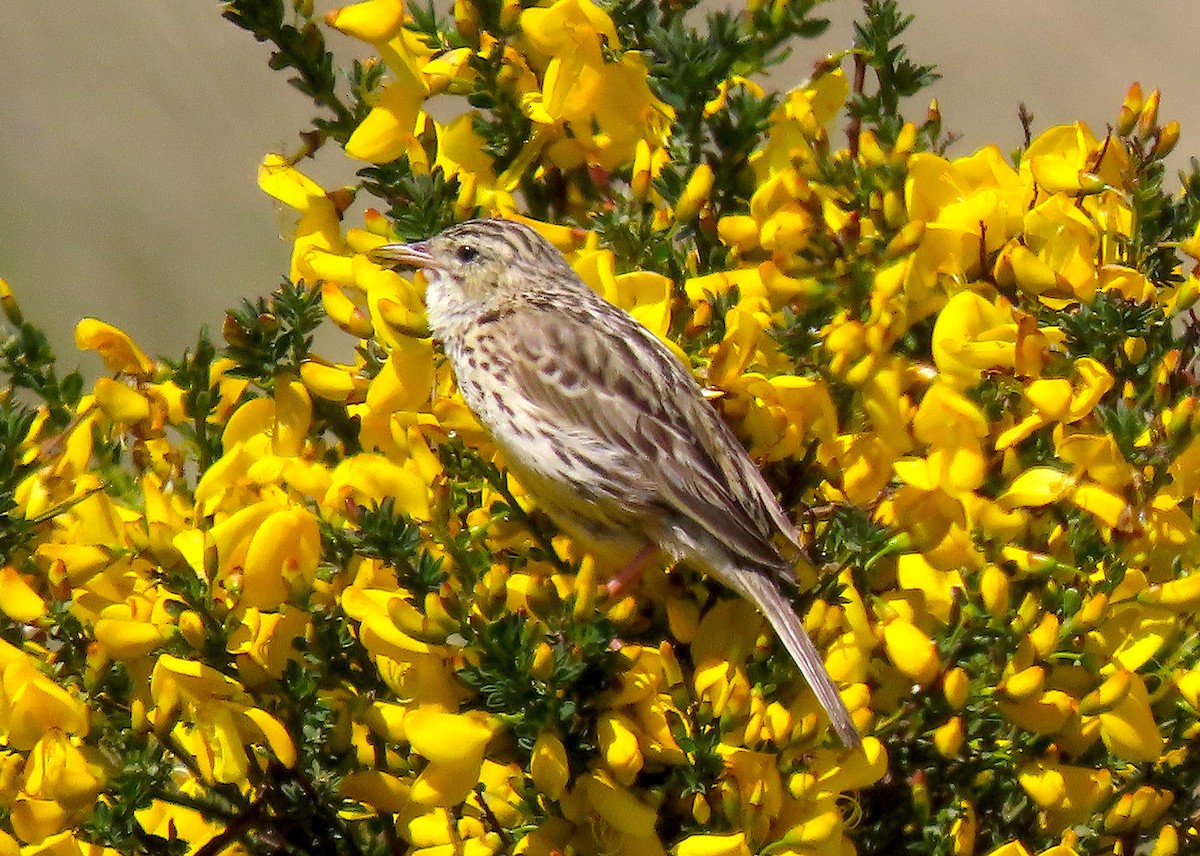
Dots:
{"x": 939, "y": 588}
{"x": 121, "y": 402}
{"x": 371, "y": 21}
{"x": 797, "y": 121}
{"x": 461, "y": 153}
{"x": 911, "y": 650}
{"x": 18, "y": 600}
{"x": 1129, "y": 729}
{"x": 971, "y": 336}
{"x": 1062, "y": 160}
{"x": 35, "y": 820}
{"x": 268, "y": 641}
{"x": 548, "y": 765}
{"x": 1065, "y": 239}
{"x": 31, "y": 705}
{"x": 59, "y": 770}
{"x": 969, "y": 206}
{"x": 707, "y": 844}
{"x": 643, "y": 294}
{"x": 1068, "y": 794}
{"x": 390, "y": 129}
{"x": 209, "y": 714}
{"x": 135, "y": 628}
{"x": 617, "y": 806}
{"x": 454, "y": 744}
{"x": 618, "y": 736}
{"x": 120, "y": 354}
{"x": 695, "y": 193}
{"x": 167, "y": 819}
{"x": 580, "y": 89}
{"x": 952, "y": 426}
{"x": 319, "y": 227}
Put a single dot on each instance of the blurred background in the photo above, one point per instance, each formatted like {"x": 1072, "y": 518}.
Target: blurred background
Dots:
{"x": 131, "y": 132}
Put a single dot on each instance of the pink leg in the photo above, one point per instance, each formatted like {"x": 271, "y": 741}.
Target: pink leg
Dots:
{"x": 628, "y": 577}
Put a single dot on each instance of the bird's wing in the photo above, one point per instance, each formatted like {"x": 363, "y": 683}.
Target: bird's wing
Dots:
{"x": 612, "y": 385}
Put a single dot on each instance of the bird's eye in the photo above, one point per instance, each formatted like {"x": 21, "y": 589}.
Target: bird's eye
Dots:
{"x": 466, "y": 253}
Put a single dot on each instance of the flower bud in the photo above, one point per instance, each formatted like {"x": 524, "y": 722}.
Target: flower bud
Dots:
{"x": 955, "y": 687}
{"x": 962, "y": 831}
{"x": 402, "y": 319}
{"x": 8, "y": 302}
{"x": 1165, "y": 142}
{"x": 1044, "y": 637}
{"x": 906, "y": 141}
{"x": 933, "y": 117}
{"x": 617, "y": 735}
{"x": 695, "y": 193}
{"x": 993, "y": 586}
{"x": 1134, "y": 348}
{"x": 467, "y": 20}
{"x": 548, "y": 765}
{"x": 948, "y": 738}
{"x": 911, "y": 651}
{"x": 1167, "y": 843}
{"x": 585, "y": 590}
{"x": 1148, "y": 118}
{"x": 1090, "y": 612}
{"x": 1024, "y": 684}
{"x": 543, "y": 661}
{"x": 1108, "y": 695}
{"x": 191, "y": 628}
{"x": 869, "y": 150}
{"x": 1132, "y": 106}
{"x": 510, "y": 11}
{"x": 333, "y": 383}
{"x": 906, "y": 240}
{"x": 1182, "y": 594}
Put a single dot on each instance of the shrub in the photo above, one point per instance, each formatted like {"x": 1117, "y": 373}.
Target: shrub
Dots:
{"x": 259, "y": 600}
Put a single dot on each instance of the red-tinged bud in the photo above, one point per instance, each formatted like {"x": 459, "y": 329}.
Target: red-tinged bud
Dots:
{"x": 376, "y": 223}
{"x": 342, "y": 198}
{"x": 934, "y": 114}
{"x": 1130, "y": 109}
{"x": 1148, "y": 118}
{"x": 233, "y": 333}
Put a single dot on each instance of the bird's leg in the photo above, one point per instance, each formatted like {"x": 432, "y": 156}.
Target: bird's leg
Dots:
{"x": 618, "y": 586}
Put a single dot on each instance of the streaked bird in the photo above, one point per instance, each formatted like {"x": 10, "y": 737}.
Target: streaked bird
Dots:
{"x": 604, "y": 425}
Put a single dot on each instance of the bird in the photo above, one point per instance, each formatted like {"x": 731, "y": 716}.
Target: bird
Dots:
{"x": 605, "y": 426}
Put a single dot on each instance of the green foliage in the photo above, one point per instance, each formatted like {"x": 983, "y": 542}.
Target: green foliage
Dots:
{"x": 877, "y": 47}
{"x": 300, "y": 48}
{"x": 273, "y": 335}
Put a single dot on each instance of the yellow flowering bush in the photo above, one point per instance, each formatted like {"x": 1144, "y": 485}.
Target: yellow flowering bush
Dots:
{"x": 256, "y": 599}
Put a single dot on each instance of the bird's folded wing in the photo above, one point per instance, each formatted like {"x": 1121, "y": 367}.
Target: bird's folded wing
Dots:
{"x": 612, "y": 385}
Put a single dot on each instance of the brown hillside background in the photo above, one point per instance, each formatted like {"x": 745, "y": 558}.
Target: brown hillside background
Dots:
{"x": 130, "y": 133}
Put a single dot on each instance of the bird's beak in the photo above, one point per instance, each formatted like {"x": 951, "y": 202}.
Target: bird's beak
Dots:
{"x": 413, "y": 255}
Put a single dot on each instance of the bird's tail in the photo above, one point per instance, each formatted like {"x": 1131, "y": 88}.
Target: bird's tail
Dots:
{"x": 782, "y": 617}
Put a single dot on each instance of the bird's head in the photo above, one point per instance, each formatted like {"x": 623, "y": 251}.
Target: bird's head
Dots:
{"x": 477, "y": 266}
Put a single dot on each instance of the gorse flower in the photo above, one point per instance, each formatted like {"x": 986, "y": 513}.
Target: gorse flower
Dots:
{"x": 258, "y": 598}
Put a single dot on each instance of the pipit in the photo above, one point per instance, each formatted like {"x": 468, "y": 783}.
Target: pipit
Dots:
{"x": 604, "y": 425}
